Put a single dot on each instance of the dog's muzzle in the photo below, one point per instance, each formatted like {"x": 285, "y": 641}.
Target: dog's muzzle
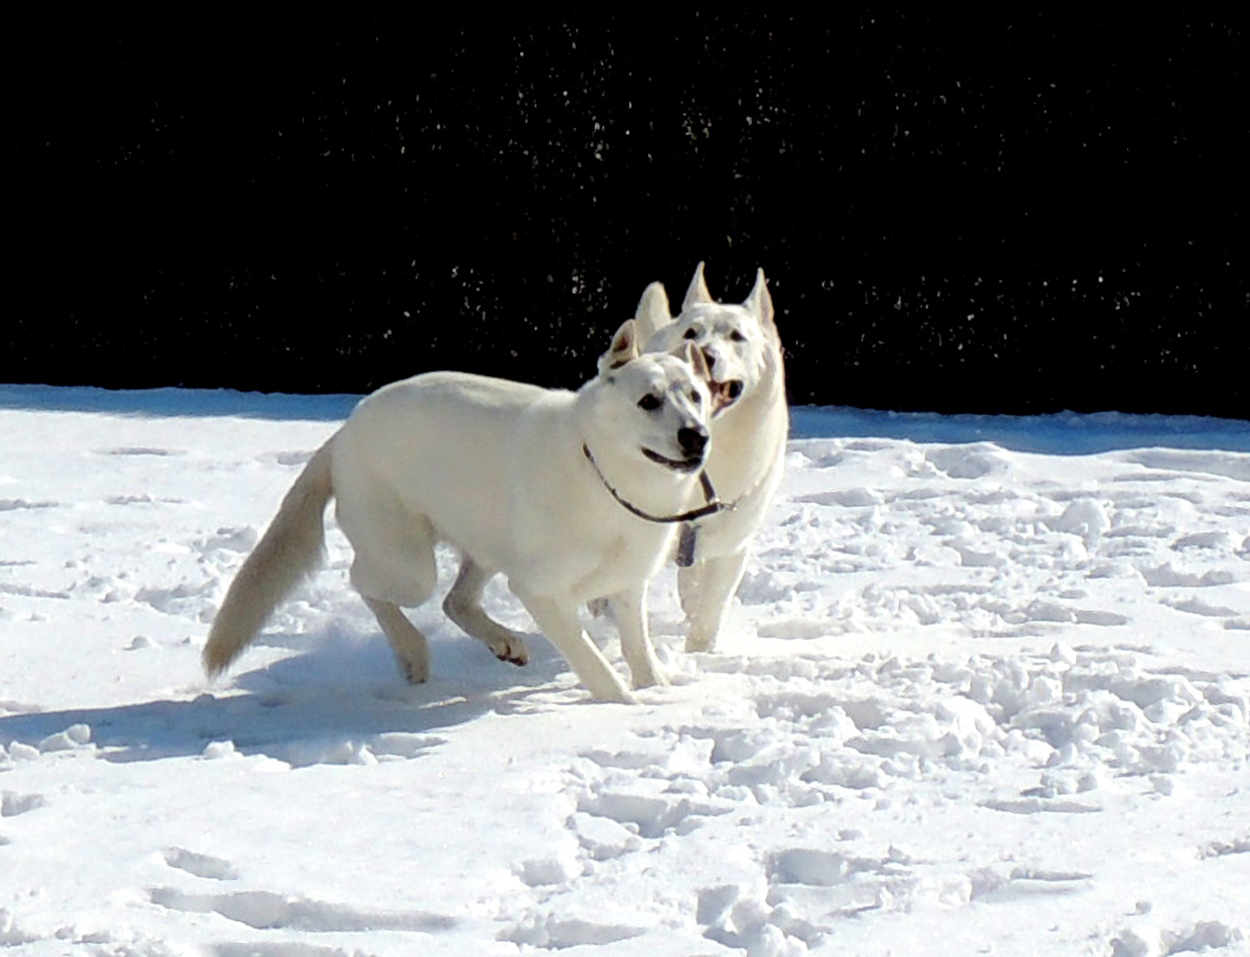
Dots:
{"x": 712, "y": 506}
{"x": 677, "y": 465}
{"x": 692, "y": 441}
{"x": 725, "y": 394}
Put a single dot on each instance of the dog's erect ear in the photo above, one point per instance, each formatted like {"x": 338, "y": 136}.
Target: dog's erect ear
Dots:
{"x": 760, "y": 302}
{"x": 624, "y": 347}
{"x": 697, "y": 293}
{"x": 698, "y": 361}
{"x": 653, "y": 311}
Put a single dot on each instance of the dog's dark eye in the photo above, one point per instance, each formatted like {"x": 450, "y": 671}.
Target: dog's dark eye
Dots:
{"x": 695, "y": 397}
{"x": 650, "y": 402}
{"x": 737, "y": 336}
{"x": 691, "y": 334}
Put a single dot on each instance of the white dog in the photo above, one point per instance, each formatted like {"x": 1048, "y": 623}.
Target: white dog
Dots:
{"x": 746, "y": 461}
{"x": 573, "y": 496}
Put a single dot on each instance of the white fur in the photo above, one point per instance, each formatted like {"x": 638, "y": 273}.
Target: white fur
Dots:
{"x": 749, "y": 436}
{"x": 497, "y": 469}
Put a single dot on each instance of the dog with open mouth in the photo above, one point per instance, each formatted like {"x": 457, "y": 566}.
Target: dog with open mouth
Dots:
{"x": 574, "y": 496}
{"x": 750, "y": 425}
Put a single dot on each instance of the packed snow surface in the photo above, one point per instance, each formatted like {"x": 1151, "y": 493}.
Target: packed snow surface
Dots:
{"x": 985, "y": 690}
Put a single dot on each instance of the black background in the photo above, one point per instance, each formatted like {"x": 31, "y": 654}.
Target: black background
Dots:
{"x": 1019, "y": 212}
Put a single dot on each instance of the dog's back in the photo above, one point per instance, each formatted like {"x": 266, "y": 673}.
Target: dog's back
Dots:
{"x": 444, "y": 445}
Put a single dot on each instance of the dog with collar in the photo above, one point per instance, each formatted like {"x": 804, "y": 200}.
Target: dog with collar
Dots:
{"x": 523, "y": 481}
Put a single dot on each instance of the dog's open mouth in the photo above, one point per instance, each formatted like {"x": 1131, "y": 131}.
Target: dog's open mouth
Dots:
{"x": 677, "y": 465}
{"x": 725, "y": 394}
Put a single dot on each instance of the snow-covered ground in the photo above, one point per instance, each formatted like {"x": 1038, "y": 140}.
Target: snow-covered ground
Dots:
{"x": 986, "y": 691}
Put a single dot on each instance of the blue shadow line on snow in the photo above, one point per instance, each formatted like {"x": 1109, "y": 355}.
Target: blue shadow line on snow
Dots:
{"x": 1064, "y": 433}
{"x": 174, "y": 403}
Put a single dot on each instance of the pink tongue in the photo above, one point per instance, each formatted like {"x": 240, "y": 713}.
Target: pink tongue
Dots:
{"x": 722, "y": 394}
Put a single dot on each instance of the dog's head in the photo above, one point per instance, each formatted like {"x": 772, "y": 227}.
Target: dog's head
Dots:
{"x": 656, "y": 404}
{"x": 737, "y": 341}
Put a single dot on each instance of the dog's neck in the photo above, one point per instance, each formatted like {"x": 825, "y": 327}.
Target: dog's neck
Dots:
{"x": 736, "y": 459}
{"x": 712, "y": 504}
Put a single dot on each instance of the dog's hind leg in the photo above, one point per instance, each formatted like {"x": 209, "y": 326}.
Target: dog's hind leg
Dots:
{"x": 706, "y": 595}
{"x": 411, "y": 649}
{"x": 559, "y": 623}
{"x": 394, "y": 566}
{"x": 463, "y": 605}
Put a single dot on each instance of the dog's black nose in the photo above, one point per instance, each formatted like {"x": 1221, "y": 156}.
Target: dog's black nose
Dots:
{"x": 692, "y": 441}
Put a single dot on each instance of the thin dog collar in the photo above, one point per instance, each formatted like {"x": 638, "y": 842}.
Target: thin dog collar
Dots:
{"x": 713, "y": 505}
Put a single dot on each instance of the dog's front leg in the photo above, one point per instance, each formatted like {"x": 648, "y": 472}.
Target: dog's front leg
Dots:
{"x": 629, "y": 610}
{"x": 464, "y": 606}
{"x": 558, "y": 621}
{"x": 712, "y": 589}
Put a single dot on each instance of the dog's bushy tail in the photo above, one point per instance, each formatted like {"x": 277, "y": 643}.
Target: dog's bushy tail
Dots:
{"x": 290, "y": 548}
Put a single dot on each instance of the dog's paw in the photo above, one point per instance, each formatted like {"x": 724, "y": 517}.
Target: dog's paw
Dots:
{"x": 414, "y": 674}
{"x": 655, "y": 679}
{"x": 621, "y": 695}
{"x": 513, "y": 652}
{"x": 696, "y": 643}
{"x": 520, "y": 659}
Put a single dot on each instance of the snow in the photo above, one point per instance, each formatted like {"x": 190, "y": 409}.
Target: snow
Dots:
{"x": 986, "y": 690}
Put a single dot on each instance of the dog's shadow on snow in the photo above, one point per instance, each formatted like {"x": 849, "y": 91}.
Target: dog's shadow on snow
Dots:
{"x": 339, "y": 701}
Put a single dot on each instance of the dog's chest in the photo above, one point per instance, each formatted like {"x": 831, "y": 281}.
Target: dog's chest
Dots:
{"x": 623, "y": 561}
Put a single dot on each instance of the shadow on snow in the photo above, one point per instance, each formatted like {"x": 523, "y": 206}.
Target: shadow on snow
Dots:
{"x": 318, "y": 707}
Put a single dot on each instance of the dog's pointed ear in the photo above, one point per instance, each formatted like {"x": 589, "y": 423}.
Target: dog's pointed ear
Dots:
{"x": 624, "y": 347}
{"x": 760, "y": 302}
{"x": 653, "y": 312}
{"x": 698, "y": 361}
{"x": 697, "y": 293}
